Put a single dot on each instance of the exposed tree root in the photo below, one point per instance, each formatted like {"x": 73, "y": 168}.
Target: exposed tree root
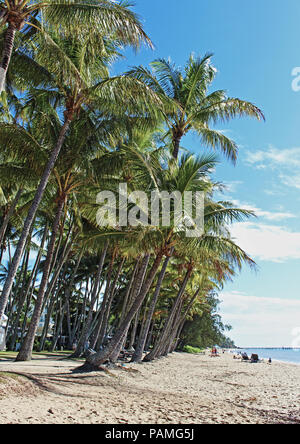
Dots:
{"x": 87, "y": 368}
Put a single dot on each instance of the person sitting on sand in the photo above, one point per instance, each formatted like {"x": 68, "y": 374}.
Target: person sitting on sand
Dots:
{"x": 214, "y": 352}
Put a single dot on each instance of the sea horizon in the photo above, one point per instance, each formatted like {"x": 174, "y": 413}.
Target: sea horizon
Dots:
{"x": 280, "y": 354}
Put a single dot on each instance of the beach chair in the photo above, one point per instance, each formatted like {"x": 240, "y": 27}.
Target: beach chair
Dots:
{"x": 245, "y": 357}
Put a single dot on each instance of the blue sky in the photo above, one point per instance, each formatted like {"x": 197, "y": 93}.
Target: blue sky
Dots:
{"x": 256, "y": 47}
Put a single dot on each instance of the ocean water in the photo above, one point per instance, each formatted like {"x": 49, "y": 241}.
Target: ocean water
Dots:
{"x": 276, "y": 354}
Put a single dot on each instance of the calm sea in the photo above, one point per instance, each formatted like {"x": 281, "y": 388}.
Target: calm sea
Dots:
{"x": 277, "y": 354}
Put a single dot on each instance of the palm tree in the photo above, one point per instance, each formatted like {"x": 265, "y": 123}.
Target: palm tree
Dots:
{"x": 77, "y": 85}
{"x": 110, "y": 19}
{"x": 197, "y": 108}
{"x": 192, "y": 173}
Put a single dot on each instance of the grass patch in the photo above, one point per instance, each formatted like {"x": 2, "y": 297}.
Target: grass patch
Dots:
{"x": 193, "y": 350}
{"x": 13, "y": 355}
{"x": 8, "y": 355}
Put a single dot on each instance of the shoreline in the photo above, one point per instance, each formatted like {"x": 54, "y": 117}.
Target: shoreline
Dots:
{"x": 239, "y": 350}
{"x": 179, "y": 389}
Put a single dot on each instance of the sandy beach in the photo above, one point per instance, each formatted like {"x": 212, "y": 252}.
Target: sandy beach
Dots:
{"x": 180, "y": 389}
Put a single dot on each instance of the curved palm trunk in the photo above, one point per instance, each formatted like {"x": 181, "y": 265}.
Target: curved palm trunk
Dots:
{"x": 21, "y": 299}
{"x": 108, "y": 307}
{"x": 28, "y": 287}
{"x": 9, "y": 215}
{"x": 6, "y": 54}
{"x": 30, "y": 217}
{"x": 68, "y": 294}
{"x": 138, "y": 354}
{"x": 131, "y": 292}
{"x": 98, "y": 331}
{"x": 181, "y": 322}
{"x": 155, "y": 352}
{"x": 173, "y": 331}
{"x": 86, "y": 327}
{"x": 126, "y": 301}
{"x": 27, "y": 346}
{"x": 94, "y": 361}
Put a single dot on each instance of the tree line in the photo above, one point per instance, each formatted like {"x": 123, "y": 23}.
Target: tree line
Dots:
{"x": 68, "y": 130}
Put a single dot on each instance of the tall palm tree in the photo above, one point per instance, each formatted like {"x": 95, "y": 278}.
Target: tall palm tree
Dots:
{"x": 191, "y": 174}
{"x": 79, "y": 83}
{"x": 197, "y": 107}
{"x": 110, "y": 19}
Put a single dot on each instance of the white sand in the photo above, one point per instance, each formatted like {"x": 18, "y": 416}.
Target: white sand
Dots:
{"x": 183, "y": 388}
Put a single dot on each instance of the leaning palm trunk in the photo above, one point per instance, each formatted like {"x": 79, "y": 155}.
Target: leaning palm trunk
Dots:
{"x": 94, "y": 361}
{"x": 59, "y": 326}
{"x": 31, "y": 215}
{"x": 27, "y": 346}
{"x": 50, "y": 308}
{"x": 138, "y": 354}
{"x": 128, "y": 291}
{"x": 21, "y": 296}
{"x": 57, "y": 270}
{"x": 108, "y": 307}
{"x": 9, "y": 215}
{"x": 156, "y": 351}
{"x": 98, "y": 330}
{"x": 173, "y": 331}
{"x": 63, "y": 259}
{"x": 85, "y": 331}
{"x": 182, "y": 321}
{"x": 68, "y": 293}
{"x": 7, "y": 52}
{"x": 134, "y": 330}
{"x": 32, "y": 280}
{"x": 134, "y": 287}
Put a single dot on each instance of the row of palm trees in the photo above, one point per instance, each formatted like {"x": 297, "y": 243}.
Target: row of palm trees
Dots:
{"x": 69, "y": 130}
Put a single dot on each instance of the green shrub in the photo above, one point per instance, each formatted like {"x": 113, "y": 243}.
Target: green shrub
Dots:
{"x": 193, "y": 350}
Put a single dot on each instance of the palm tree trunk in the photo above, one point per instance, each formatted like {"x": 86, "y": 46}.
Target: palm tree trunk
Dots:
{"x": 27, "y": 346}
{"x": 182, "y": 320}
{"x": 149, "y": 337}
{"x": 138, "y": 354}
{"x": 6, "y": 54}
{"x": 164, "y": 334}
{"x": 94, "y": 361}
{"x": 99, "y": 327}
{"x": 108, "y": 307}
{"x": 68, "y": 294}
{"x": 56, "y": 271}
{"x": 176, "y": 144}
{"x": 21, "y": 299}
{"x": 9, "y": 215}
{"x": 31, "y": 215}
{"x": 87, "y": 322}
{"x": 133, "y": 288}
{"x": 173, "y": 330}
{"x": 32, "y": 280}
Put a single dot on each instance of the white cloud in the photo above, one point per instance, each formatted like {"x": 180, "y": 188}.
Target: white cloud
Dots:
{"x": 291, "y": 180}
{"x": 232, "y": 186}
{"x": 269, "y": 215}
{"x": 285, "y": 161}
{"x": 267, "y": 242}
{"x": 260, "y": 321}
{"x": 273, "y": 157}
